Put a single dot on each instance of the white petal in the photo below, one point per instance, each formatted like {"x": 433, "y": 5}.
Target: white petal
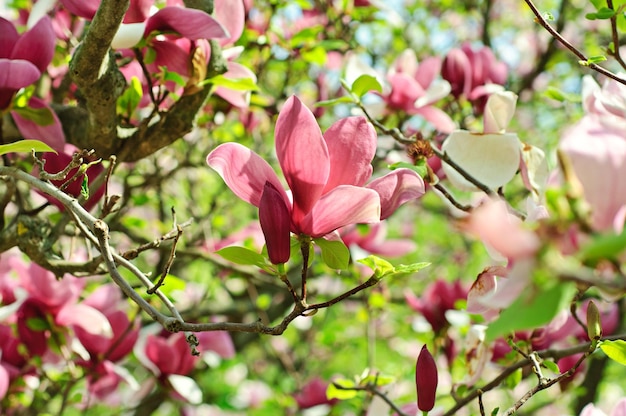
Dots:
{"x": 492, "y": 159}
{"x": 186, "y": 387}
{"x": 536, "y": 169}
{"x": 437, "y": 90}
{"x": 39, "y": 10}
{"x": 355, "y": 67}
{"x": 499, "y": 111}
{"x": 128, "y": 35}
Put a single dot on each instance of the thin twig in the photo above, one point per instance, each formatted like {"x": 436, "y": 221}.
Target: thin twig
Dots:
{"x": 373, "y": 390}
{"x": 542, "y": 21}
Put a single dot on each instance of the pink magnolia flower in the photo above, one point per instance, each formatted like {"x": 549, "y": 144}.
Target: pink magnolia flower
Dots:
{"x": 426, "y": 380}
{"x": 414, "y": 89}
{"x": 470, "y": 72}
{"x": 438, "y": 298}
{"x": 598, "y": 157}
{"x": 326, "y": 174}
{"x": 373, "y": 239}
{"x": 313, "y": 394}
{"x": 23, "y": 58}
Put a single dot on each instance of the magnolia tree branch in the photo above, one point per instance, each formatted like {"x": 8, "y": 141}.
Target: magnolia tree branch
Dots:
{"x": 95, "y": 72}
{"x": 373, "y": 390}
{"x": 581, "y": 56}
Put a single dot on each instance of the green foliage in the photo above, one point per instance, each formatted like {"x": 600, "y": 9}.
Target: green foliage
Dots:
{"x": 41, "y": 116}
{"x": 25, "y": 146}
{"x": 531, "y": 310}
{"x": 382, "y": 268}
{"x": 615, "y": 350}
{"x": 335, "y": 254}
{"x": 604, "y": 246}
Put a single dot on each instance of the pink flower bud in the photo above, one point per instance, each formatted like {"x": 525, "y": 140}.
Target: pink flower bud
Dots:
{"x": 275, "y": 222}
{"x": 426, "y": 380}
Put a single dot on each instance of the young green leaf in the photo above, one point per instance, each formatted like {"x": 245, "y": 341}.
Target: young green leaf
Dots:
{"x": 25, "y": 146}
{"x": 333, "y": 392}
{"x": 364, "y": 84}
{"x": 615, "y": 350}
{"x": 335, "y": 254}
{"x": 242, "y": 255}
{"x": 380, "y": 266}
{"x": 606, "y": 246}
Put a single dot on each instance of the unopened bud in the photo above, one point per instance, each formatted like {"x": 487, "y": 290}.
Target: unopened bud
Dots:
{"x": 594, "y": 326}
{"x": 426, "y": 380}
{"x": 275, "y": 222}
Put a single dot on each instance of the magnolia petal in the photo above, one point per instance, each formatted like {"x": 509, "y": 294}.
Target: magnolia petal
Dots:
{"x": 86, "y": 317}
{"x": 17, "y": 73}
{"x": 138, "y": 11}
{"x": 4, "y": 381}
{"x": 189, "y": 23}
{"x": 342, "y": 206}
{"x": 82, "y": 8}
{"x": 534, "y": 169}
{"x": 405, "y": 90}
{"x": 499, "y": 111}
{"x": 220, "y": 342}
{"x": 501, "y": 230}
{"x": 396, "y": 188}
{"x": 485, "y": 285}
{"x": 37, "y": 45}
{"x": 303, "y": 155}
{"x": 438, "y": 118}
{"x": 186, "y": 387}
{"x": 351, "y": 145}
{"x": 436, "y": 91}
{"x": 239, "y": 99}
{"x": 244, "y": 171}
{"x": 128, "y": 35}
{"x": 231, "y": 14}
{"x": 406, "y": 63}
{"x": 51, "y": 134}
{"x": 8, "y": 39}
{"x": 428, "y": 70}
{"x": 492, "y": 159}
{"x": 40, "y": 9}
{"x": 170, "y": 55}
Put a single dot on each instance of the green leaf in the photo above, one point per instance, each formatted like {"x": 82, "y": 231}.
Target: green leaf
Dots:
{"x": 514, "y": 379}
{"x": 241, "y": 255}
{"x": 420, "y": 169}
{"x": 237, "y": 84}
{"x": 410, "y": 268}
{"x": 315, "y": 55}
{"x": 365, "y": 84}
{"x": 605, "y": 13}
{"x": 529, "y": 312}
{"x": 41, "y": 116}
{"x": 552, "y": 366}
{"x": 559, "y": 95}
{"x": 25, "y": 146}
{"x": 377, "y": 380}
{"x": 335, "y": 101}
{"x": 606, "y": 246}
{"x": 84, "y": 187}
{"x": 592, "y": 60}
{"x": 335, "y": 254}
{"x": 615, "y": 350}
{"x": 172, "y": 76}
{"x": 37, "y": 324}
{"x": 333, "y": 392}
{"x": 171, "y": 284}
{"x": 129, "y": 100}
{"x": 380, "y": 266}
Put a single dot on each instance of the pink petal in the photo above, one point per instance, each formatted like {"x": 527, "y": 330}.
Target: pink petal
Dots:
{"x": 404, "y": 91}
{"x": 82, "y": 8}
{"x": 437, "y": 118}
{"x": 219, "y": 342}
{"x": 396, "y": 188}
{"x": 189, "y": 23}
{"x": 51, "y": 134}
{"x": 17, "y": 73}
{"x": 303, "y": 155}
{"x": 244, "y": 171}
{"x": 485, "y": 285}
{"x": 85, "y": 317}
{"x": 428, "y": 70}
{"x": 170, "y": 55}
{"x": 502, "y": 231}
{"x": 239, "y": 99}
{"x": 620, "y": 408}
{"x": 138, "y": 11}
{"x": 4, "y": 382}
{"x": 8, "y": 39}
{"x": 105, "y": 298}
{"x": 37, "y": 44}
{"x": 351, "y": 145}
{"x": 342, "y": 206}
{"x": 231, "y": 14}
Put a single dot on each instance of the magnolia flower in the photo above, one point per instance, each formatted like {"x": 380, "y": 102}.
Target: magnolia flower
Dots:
{"x": 596, "y": 148}
{"x": 313, "y": 394}
{"x": 470, "y": 73}
{"x": 435, "y": 301}
{"x": 426, "y": 380}
{"x": 491, "y": 157}
{"x": 618, "y": 410}
{"x": 326, "y": 174}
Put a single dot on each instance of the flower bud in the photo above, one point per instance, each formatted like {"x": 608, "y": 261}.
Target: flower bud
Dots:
{"x": 426, "y": 380}
{"x": 275, "y": 222}
{"x": 594, "y": 327}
